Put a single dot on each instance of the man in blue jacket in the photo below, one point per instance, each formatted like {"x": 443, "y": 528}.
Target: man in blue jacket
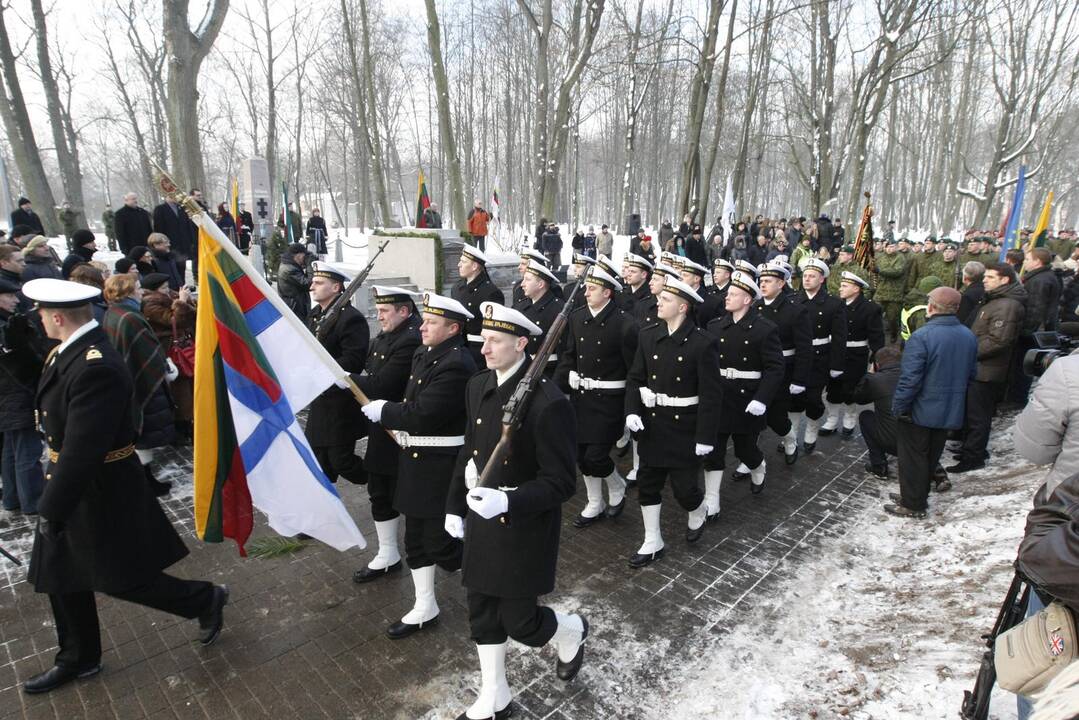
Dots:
{"x": 939, "y": 361}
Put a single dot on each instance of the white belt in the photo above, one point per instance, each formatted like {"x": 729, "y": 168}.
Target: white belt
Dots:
{"x": 578, "y": 382}
{"x": 788, "y": 353}
{"x": 732, "y": 374}
{"x": 652, "y": 399}
{"x": 857, "y": 343}
{"x": 406, "y": 440}
{"x": 474, "y": 338}
{"x": 822, "y": 341}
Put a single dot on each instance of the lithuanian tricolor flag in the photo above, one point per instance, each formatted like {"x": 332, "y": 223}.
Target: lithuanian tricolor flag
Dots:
{"x": 423, "y": 201}
{"x": 1041, "y": 231}
{"x": 255, "y": 366}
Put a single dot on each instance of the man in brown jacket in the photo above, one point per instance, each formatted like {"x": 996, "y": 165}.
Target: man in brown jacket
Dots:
{"x": 997, "y": 323}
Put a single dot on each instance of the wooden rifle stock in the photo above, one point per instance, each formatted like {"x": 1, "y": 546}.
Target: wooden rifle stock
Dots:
{"x": 513, "y": 411}
{"x": 327, "y": 319}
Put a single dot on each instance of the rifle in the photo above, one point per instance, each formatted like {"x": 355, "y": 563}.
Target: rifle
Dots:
{"x": 513, "y": 411}
{"x": 9, "y": 556}
{"x": 326, "y": 321}
{"x": 1012, "y": 612}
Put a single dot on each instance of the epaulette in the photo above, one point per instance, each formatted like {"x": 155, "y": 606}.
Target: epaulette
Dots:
{"x": 93, "y": 353}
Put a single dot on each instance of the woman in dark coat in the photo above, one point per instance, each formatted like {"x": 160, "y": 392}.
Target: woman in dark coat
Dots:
{"x": 225, "y": 221}
{"x": 143, "y": 259}
{"x": 167, "y": 310}
{"x": 133, "y": 337}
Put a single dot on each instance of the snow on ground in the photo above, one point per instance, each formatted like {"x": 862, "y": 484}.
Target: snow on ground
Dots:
{"x": 885, "y": 622}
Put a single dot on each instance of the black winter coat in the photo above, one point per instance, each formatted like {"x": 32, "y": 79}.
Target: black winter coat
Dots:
{"x": 629, "y": 298}
{"x": 388, "y": 366}
{"x": 431, "y": 407}
{"x": 28, "y": 218}
{"x": 177, "y": 227}
{"x": 316, "y": 233}
{"x": 20, "y": 367}
{"x": 108, "y": 532}
{"x": 334, "y": 417}
{"x": 828, "y": 319}
{"x": 865, "y": 324}
{"x": 40, "y": 267}
{"x": 132, "y": 226}
{"x": 794, "y": 337}
{"x": 598, "y": 348}
{"x": 516, "y": 554}
{"x": 471, "y": 295}
{"x": 714, "y": 305}
{"x": 879, "y": 388}
{"x": 971, "y": 299}
{"x": 165, "y": 263}
{"x": 749, "y": 345}
{"x": 293, "y": 286}
{"x": 1043, "y": 300}
{"x": 681, "y": 365}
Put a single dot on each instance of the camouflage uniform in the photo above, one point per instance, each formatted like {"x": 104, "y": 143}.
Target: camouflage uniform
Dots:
{"x": 889, "y": 294}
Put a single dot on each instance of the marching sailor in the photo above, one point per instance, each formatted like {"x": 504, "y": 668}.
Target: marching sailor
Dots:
{"x": 540, "y": 305}
{"x": 693, "y": 274}
{"x": 473, "y": 288}
{"x": 865, "y": 335}
{"x": 636, "y": 271}
{"x": 334, "y": 420}
{"x": 385, "y": 377}
{"x": 827, "y": 317}
{"x": 751, "y": 372}
{"x": 600, "y": 342}
{"x": 581, "y": 263}
{"x": 429, "y": 425}
{"x": 672, "y": 405}
{"x": 714, "y": 304}
{"x": 511, "y": 527}
{"x": 645, "y": 311}
{"x": 527, "y": 256}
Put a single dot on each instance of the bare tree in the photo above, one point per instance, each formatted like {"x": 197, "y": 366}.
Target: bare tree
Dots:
{"x": 445, "y": 118}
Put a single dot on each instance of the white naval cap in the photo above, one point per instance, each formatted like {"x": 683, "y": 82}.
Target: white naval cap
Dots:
{"x": 695, "y": 268}
{"x": 391, "y": 295}
{"x": 721, "y": 263}
{"x": 582, "y": 259}
{"x": 607, "y": 264}
{"x": 445, "y": 307}
{"x": 503, "y": 319}
{"x": 598, "y": 276}
{"x": 541, "y": 270}
{"x": 52, "y": 293}
{"x": 530, "y": 254}
{"x": 746, "y": 282}
{"x": 818, "y": 265}
{"x": 679, "y": 288}
{"x": 849, "y": 277}
{"x": 474, "y": 253}
{"x": 776, "y": 270}
{"x": 323, "y": 269}
{"x": 638, "y": 261}
{"x": 746, "y": 267}
{"x": 668, "y": 270}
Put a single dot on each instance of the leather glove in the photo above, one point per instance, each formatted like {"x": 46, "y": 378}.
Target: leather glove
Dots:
{"x": 703, "y": 450}
{"x": 455, "y": 526}
{"x": 634, "y": 423}
{"x": 797, "y": 389}
{"x": 487, "y": 502}
{"x": 472, "y": 474}
{"x": 835, "y": 373}
{"x": 756, "y": 407}
{"x": 373, "y": 410}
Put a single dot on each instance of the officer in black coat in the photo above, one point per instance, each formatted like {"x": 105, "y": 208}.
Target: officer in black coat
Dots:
{"x": 600, "y": 342}
{"x": 517, "y": 293}
{"x": 132, "y": 224}
{"x": 673, "y": 400}
{"x": 334, "y": 420}
{"x": 865, "y": 335}
{"x": 171, "y": 221}
{"x": 827, "y": 317}
{"x": 715, "y": 303}
{"x": 385, "y": 377}
{"x": 581, "y": 263}
{"x": 473, "y": 288}
{"x": 540, "y": 305}
{"x": 511, "y": 526}
{"x": 645, "y": 312}
{"x": 751, "y": 373}
{"x": 636, "y": 272}
{"x": 693, "y": 274}
{"x": 429, "y": 424}
{"x": 100, "y": 528}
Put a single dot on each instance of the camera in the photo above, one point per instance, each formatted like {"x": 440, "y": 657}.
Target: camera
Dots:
{"x": 1051, "y": 345}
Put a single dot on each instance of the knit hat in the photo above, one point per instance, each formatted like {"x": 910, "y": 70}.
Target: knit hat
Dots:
{"x": 928, "y": 283}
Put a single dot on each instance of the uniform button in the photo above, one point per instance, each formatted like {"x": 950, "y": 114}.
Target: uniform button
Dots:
{"x": 475, "y": 452}
{"x": 655, "y": 357}
{"x": 415, "y": 454}
{"x": 653, "y": 414}
{"x": 678, "y": 379}
{"x": 722, "y": 340}
{"x": 479, "y": 421}
{"x": 50, "y": 438}
{"x": 675, "y": 417}
{"x": 48, "y": 476}
{"x": 653, "y": 377}
{"x": 420, "y": 381}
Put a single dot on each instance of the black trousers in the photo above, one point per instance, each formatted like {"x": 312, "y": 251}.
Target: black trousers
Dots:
{"x": 687, "y": 491}
{"x": 428, "y": 543}
{"x": 77, "y": 630}
{"x": 1018, "y": 381}
{"x": 480, "y": 241}
{"x": 745, "y": 449}
{"x": 809, "y": 402}
{"x": 879, "y": 439}
{"x": 778, "y": 420}
{"x": 380, "y": 489}
{"x": 595, "y": 460}
{"x": 919, "y": 449}
{"x": 982, "y": 400}
{"x": 493, "y": 619}
{"x": 341, "y": 461}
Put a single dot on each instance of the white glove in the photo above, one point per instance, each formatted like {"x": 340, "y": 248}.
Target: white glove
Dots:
{"x": 634, "y": 423}
{"x": 756, "y": 407}
{"x": 703, "y": 450}
{"x": 455, "y": 526}
{"x": 373, "y": 410}
{"x": 797, "y": 389}
{"x": 835, "y": 373}
{"x": 472, "y": 475}
{"x": 488, "y": 503}
{"x": 171, "y": 371}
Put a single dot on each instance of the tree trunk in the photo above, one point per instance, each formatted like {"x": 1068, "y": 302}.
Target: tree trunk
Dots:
{"x": 374, "y": 138}
{"x": 721, "y": 112}
{"x": 445, "y": 119}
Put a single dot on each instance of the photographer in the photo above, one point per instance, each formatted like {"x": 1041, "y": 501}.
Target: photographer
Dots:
{"x": 1047, "y": 431}
{"x": 21, "y": 359}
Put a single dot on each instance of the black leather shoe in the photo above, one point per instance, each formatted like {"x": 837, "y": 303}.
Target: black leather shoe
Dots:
{"x": 159, "y": 488}
{"x": 942, "y": 485}
{"x": 567, "y": 671}
{"x": 809, "y": 447}
{"x": 614, "y": 511}
{"x": 711, "y": 518}
{"x": 792, "y": 458}
{"x": 965, "y": 466}
{"x": 631, "y": 483}
{"x": 900, "y": 510}
{"x": 848, "y": 433}
{"x": 400, "y": 630}
{"x": 826, "y": 432}
{"x": 896, "y": 498}
{"x": 639, "y": 561}
{"x": 56, "y": 676}
{"x": 211, "y": 623}
{"x": 878, "y": 470}
{"x": 367, "y": 574}
{"x": 506, "y": 712}
{"x": 693, "y": 536}
{"x": 582, "y": 522}
{"x": 756, "y": 489}
{"x": 780, "y": 449}
{"x": 739, "y": 476}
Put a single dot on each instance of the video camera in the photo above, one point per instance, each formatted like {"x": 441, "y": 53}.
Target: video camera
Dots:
{"x": 1051, "y": 345}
